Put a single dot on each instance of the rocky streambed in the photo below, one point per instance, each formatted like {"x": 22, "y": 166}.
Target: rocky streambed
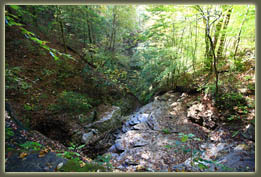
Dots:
{"x": 147, "y": 141}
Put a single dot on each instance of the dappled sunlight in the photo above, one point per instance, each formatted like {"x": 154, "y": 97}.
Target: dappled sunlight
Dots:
{"x": 130, "y": 88}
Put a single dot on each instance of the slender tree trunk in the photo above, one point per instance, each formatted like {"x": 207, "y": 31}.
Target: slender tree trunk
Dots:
{"x": 214, "y": 57}
{"x": 217, "y": 32}
{"x": 173, "y": 35}
{"x": 84, "y": 37}
{"x": 208, "y": 62}
{"x": 239, "y": 34}
{"x": 63, "y": 36}
{"x": 113, "y": 31}
{"x": 195, "y": 47}
{"x": 222, "y": 39}
{"x": 60, "y": 22}
{"x": 89, "y": 31}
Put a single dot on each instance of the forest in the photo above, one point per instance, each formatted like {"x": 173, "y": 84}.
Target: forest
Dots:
{"x": 130, "y": 88}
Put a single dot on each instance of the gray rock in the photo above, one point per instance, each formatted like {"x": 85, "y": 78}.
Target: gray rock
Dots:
{"x": 87, "y": 137}
{"x": 33, "y": 163}
{"x": 125, "y": 128}
{"x": 152, "y": 123}
{"x": 134, "y": 121}
{"x": 119, "y": 145}
{"x": 140, "y": 143}
{"x": 140, "y": 126}
{"x": 143, "y": 117}
{"x": 238, "y": 161}
{"x": 249, "y": 132}
{"x": 112, "y": 148}
{"x": 111, "y": 120}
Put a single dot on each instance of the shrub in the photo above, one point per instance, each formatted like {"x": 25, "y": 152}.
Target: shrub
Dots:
{"x": 31, "y": 145}
{"x": 8, "y": 133}
{"x": 227, "y": 101}
{"x": 74, "y": 102}
{"x": 13, "y": 81}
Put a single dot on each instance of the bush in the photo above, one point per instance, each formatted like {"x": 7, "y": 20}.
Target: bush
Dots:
{"x": 227, "y": 101}
{"x": 13, "y": 81}
{"x": 74, "y": 102}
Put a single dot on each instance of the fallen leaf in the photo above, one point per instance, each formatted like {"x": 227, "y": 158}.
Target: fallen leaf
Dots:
{"x": 23, "y": 155}
{"x": 9, "y": 154}
{"x": 43, "y": 152}
{"x": 82, "y": 164}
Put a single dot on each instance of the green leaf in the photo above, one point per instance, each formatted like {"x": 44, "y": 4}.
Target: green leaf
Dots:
{"x": 15, "y": 7}
{"x": 181, "y": 134}
{"x": 202, "y": 166}
{"x": 184, "y": 138}
{"x": 191, "y": 135}
{"x": 80, "y": 147}
{"x": 235, "y": 133}
{"x": 168, "y": 146}
{"x": 77, "y": 154}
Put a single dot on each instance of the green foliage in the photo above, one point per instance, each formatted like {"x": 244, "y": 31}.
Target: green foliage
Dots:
{"x": 47, "y": 72}
{"x": 74, "y": 102}
{"x": 74, "y": 147}
{"x": 8, "y": 133}
{"x": 210, "y": 88}
{"x": 10, "y": 20}
{"x": 104, "y": 160}
{"x": 14, "y": 81}
{"x": 228, "y": 101}
{"x": 251, "y": 86}
{"x": 232, "y": 117}
{"x": 70, "y": 155}
{"x": 28, "y": 107}
{"x": 166, "y": 131}
{"x": 30, "y": 145}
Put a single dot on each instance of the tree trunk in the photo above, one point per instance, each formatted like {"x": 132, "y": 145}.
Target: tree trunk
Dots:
{"x": 222, "y": 39}
{"x": 217, "y": 32}
{"x": 238, "y": 36}
{"x": 113, "y": 31}
{"x": 215, "y": 61}
{"x": 63, "y": 37}
{"x": 208, "y": 62}
{"x": 60, "y": 22}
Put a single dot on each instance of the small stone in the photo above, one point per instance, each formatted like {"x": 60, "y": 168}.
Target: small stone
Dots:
{"x": 59, "y": 165}
{"x": 46, "y": 168}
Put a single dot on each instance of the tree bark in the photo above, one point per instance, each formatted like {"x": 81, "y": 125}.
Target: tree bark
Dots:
{"x": 113, "y": 31}
{"x": 222, "y": 39}
{"x": 239, "y": 34}
{"x": 60, "y": 22}
{"x": 217, "y": 32}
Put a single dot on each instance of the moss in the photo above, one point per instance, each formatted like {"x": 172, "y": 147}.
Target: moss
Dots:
{"x": 74, "y": 166}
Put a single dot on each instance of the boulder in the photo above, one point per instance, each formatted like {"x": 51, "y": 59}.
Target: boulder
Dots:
{"x": 111, "y": 120}
{"x": 199, "y": 114}
{"x": 33, "y": 163}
